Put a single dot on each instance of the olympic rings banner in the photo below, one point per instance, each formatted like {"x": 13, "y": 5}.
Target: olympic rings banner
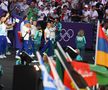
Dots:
{"x": 70, "y": 30}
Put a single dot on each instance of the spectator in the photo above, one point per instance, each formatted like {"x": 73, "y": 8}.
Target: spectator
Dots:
{"x": 24, "y": 8}
{"x": 86, "y": 14}
{"x": 94, "y": 15}
{"x": 4, "y": 5}
{"x": 33, "y": 12}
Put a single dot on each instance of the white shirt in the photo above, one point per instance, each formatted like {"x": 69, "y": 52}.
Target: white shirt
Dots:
{"x": 93, "y": 3}
{"x": 50, "y": 33}
{"x": 21, "y": 25}
{"x": 24, "y": 31}
{"x": 33, "y": 29}
{"x": 3, "y": 31}
{"x": 40, "y": 3}
{"x": 41, "y": 15}
{"x": 86, "y": 14}
{"x": 4, "y": 5}
{"x": 106, "y": 12}
{"x": 94, "y": 14}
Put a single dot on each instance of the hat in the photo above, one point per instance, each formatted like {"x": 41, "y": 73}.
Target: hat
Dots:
{"x": 26, "y": 22}
{"x": 86, "y": 6}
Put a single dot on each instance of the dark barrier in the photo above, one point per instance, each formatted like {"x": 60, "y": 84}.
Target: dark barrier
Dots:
{"x": 25, "y": 77}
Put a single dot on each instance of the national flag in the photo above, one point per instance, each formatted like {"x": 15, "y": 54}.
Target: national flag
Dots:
{"x": 20, "y": 36}
{"x": 76, "y": 78}
{"x": 102, "y": 74}
{"x": 84, "y": 70}
{"x": 48, "y": 82}
{"x": 101, "y": 57}
{"x": 59, "y": 68}
{"x": 58, "y": 81}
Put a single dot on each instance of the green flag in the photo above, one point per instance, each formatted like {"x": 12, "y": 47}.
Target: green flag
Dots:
{"x": 102, "y": 74}
{"x": 78, "y": 80}
{"x": 59, "y": 69}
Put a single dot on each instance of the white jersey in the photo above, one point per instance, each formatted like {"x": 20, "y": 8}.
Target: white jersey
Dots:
{"x": 3, "y": 31}
{"x": 50, "y": 33}
{"x": 33, "y": 29}
{"x": 24, "y": 32}
{"x": 21, "y": 25}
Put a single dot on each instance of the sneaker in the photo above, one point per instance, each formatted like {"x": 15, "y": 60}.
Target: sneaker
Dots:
{"x": 1, "y": 56}
{"x": 4, "y": 56}
{"x": 8, "y": 53}
{"x": 17, "y": 57}
{"x": 32, "y": 55}
{"x": 17, "y": 51}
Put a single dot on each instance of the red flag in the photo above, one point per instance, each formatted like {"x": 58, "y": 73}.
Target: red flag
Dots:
{"x": 84, "y": 70}
{"x": 20, "y": 36}
{"x": 68, "y": 82}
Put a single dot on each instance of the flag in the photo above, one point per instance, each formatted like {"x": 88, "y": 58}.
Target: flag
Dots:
{"x": 101, "y": 57}
{"x": 76, "y": 78}
{"x": 84, "y": 70}
{"x": 58, "y": 81}
{"x": 59, "y": 68}
{"x": 20, "y": 36}
{"x": 48, "y": 82}
{"x": 68, "y": 82}
{"x": 102, "y": 74}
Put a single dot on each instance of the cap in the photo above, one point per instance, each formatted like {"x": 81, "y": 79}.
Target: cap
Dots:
{"x": 86, "y": 6}
{"x": 26, "y": 22}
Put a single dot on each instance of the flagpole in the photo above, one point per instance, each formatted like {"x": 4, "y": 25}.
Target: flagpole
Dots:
{"x": 96, "y": 47}
{"x": 59, "y": 83}
{"x": 58, "y": 55}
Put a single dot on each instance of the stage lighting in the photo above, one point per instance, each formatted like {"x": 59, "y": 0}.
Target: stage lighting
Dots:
{"x": 72, "y": 52}
{"x": 25, "y": 58}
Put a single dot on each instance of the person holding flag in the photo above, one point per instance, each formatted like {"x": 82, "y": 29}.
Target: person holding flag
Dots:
{"x": 48, "y": 82}
{"x": 3, "y": 33}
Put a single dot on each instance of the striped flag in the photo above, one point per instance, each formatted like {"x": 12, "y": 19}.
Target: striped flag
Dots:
{"x": 102, "y": 74}
{"x": 101, "y": 57}
{"x": 58, "y": 81}
{"x": 48, "y": 82}
{"x": 75, "y": 77}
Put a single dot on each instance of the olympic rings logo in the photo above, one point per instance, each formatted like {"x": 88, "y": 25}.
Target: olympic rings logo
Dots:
{"x": 66, "y": 35}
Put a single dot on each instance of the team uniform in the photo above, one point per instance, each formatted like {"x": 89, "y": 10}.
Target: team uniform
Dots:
{"x": 48, "y": 42}
{"x": 37, "y": 39}
{"x": 3, "y": 40}
{"x": 26, "y": 39}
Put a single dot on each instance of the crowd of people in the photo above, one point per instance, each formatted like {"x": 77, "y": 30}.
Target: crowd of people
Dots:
{"x": 66, "y": 10}
{"x": 41, "y": 24}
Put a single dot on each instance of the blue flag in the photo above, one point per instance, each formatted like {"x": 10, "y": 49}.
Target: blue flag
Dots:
{"x": 48, "y": 82}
